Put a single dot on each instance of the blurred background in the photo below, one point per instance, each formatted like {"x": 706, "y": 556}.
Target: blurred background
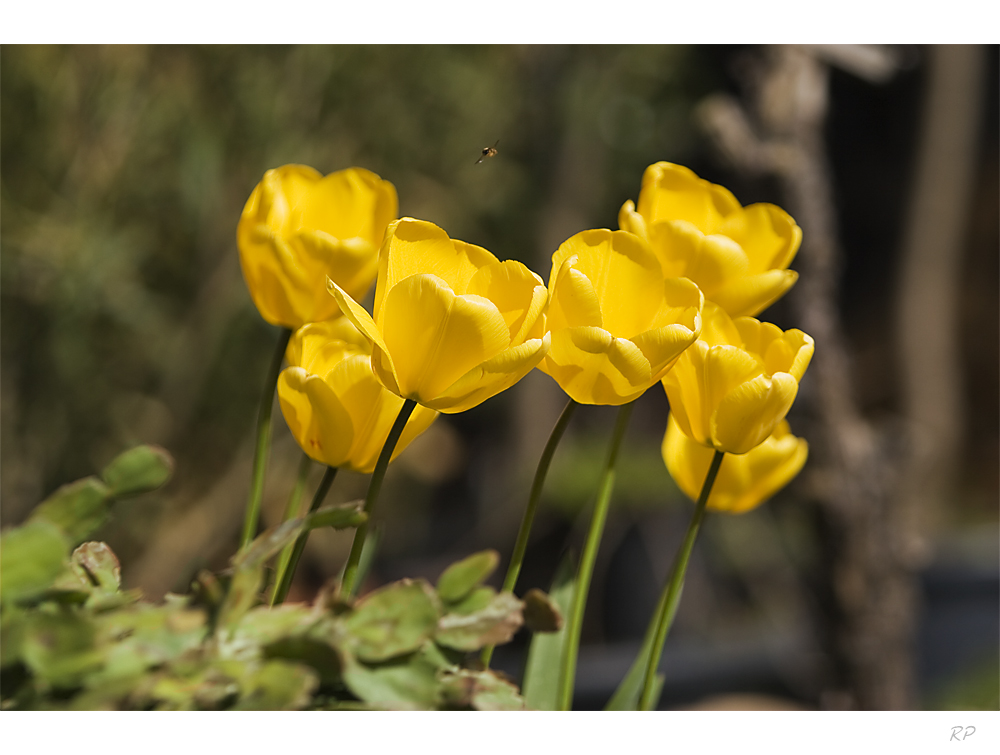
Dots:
{"x": 871, "y": 582}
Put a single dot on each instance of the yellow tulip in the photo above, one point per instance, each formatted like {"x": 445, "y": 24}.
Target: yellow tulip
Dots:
{"x": 335, "y": 407}
{"x": 737, "y": 381}
{"x": 744, "y": 480}
{"x": 453, "y": 325}
{"x": 299, "y": 228}
{"x": 737, "y": 255}
{"x": 617, "y": 324}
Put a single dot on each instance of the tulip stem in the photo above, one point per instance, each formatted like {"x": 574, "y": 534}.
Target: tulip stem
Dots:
{"x": 348, "y": 586}
{"x": 671, "y": 596}
{"x": 521, "y": 544}
{"x": 567, "y": 671}
{"x": 285, "y": 579}
{"x": 263, "y": 441}
{"x": 292, "y": 510}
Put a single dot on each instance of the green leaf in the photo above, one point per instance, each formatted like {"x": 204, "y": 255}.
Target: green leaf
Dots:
{"x": 267, "y": 544}
{"x": 481, "y": 690}
{"x": 459, "y": 579}
{"x": 31, "y": 558}
{"x": 243, "y": 594}
{"x": 277, "y": 685}
{"x": 541, "y": 674}
{"x": 263, "y": 625}
{"x": 138, "y": 470}
{"x": 60, "y": 647}
{"x": 100, "y": 565}
{"x": 12, "y": 627}
{"x": 393, "y": 620}
{"x": 319, "y": 656}
{"x": 494, "y": 624}
{"x": 78, "y": 508}
{"x": 540, "y": 613}
{"x": 474, "y": 602}
{"x": 408, "y": 683}
{"x": 337, "y": 516}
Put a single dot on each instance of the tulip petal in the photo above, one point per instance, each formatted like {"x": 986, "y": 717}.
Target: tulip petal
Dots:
{"x": 279, "y": 191}
{"x": 673, "y": 192}
{"x": 717, "y": 327}
{"x": 413, "y": 247}
{"x": 373, "y": 411}
{"x": 517, "y": 292}
{"x": 726, "y": 368}
{"x": 753, "y": 294}
{"x": 316, "y": 417}
{"x": 351, "y": 262}
{"x": 492, "y": 376}
{"x": 751, "y": 411}
{"x": 684, "y": 388}
{"x": 744, "y": 481}
{"x": 572, "y": 299}
{"x": 769, "y": 467}
{"x": 318, "y": 346}
{"x": 767, "y": 234}
{"x": 594, "y": 367}
{"x": 269, "y": 296}
{"x": 350, "y": 203}
{"x": 710, "y": 261}
{"x": 631, "y": 221}
{"x": 626, "y": 277}
{"x": 382, "y": 362}
{"x": 435, "y": 337}
{"x": 686, "y": 460}
{"x": 662, "y": 346}
{"x": 803, "y": 346}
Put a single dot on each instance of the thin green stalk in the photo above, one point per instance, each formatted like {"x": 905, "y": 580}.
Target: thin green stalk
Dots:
{"x": 263, "y": 440}
{"x": 671, "y": 596}
{"x": 292, "y": 509}
{"x": 521, "y": 544}
{"x": 285, "y": 582}
{"x": 567, "y": 671}
{"x": 349, "y": 584}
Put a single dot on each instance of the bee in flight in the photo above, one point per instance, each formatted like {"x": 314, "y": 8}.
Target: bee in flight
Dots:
{"x": 488, "y": 152}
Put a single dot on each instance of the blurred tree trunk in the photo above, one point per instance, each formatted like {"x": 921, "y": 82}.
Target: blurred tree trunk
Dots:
{"x": 927, "y": 305}
{"x": 870, "y": 558}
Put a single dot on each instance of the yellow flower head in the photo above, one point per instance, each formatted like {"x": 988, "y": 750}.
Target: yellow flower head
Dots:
{"x": 745, "y": 481}
{"x": 737, "y": 381}
{"x": 299, "y": 228}
{"x": 452, "y": 325}
{"x": 737, "y": 255}
{"x": 335, "y": 407}
{"x": 617, "y": 324}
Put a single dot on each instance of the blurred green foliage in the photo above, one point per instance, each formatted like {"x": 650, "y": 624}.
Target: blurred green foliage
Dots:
{"x": 73, "y": 639}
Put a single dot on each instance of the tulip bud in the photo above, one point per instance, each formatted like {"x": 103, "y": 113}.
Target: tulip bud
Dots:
{"x": 617, "y": 324}
{"x": 737, "y": 255}
{"x": 299, "y": 228}
{"x": 744, "y": 481}
{"x": 737, "y": 382}
{"x": 337, "y": 410}
{"x": 452, "y": 324}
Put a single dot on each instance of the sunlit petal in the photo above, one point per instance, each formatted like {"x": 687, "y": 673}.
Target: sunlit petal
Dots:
{"x": 435, "y": 337}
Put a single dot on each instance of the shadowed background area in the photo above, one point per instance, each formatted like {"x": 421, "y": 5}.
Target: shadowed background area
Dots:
{"x": 124, "y": 319}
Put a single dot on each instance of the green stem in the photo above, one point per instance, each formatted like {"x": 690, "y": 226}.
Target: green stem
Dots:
{"x": 348, "y": 586}
{"x": 567, "y": 671}
{"x": 285, "y": 579}
{"x": 263, "y": 441}
{"x": 521, "y": 544}
{"x": 671, "y": 596}
{"x": 292, "y": 509}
